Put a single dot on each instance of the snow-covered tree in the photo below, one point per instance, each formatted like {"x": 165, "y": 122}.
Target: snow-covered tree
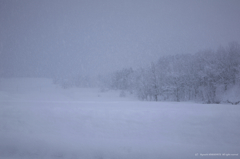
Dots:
{"x": 205, "y": 76}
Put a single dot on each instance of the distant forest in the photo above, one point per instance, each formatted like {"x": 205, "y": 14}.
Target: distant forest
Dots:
{"x": 207, "y": 77}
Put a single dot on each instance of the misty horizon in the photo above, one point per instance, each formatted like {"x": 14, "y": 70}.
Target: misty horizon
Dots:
{"x": 65, "y": 38}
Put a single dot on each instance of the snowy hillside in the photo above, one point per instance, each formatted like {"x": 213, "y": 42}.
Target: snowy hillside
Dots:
{"x": 41, "y": 120}
{"x": 41, "y": 89}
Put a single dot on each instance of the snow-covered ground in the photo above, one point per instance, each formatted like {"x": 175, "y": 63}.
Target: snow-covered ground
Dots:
{"x": 41, "y": 120}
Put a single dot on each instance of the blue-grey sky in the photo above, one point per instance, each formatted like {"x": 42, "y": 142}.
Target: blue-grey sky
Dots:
{"x": 66, "y": 37}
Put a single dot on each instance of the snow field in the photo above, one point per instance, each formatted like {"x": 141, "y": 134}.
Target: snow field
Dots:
{"x": 52, "y": 123}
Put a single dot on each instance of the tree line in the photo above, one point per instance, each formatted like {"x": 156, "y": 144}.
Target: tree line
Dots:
{"x": 206, "y": 76}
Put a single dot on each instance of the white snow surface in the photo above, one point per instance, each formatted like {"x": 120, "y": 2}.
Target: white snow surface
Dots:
{"x": 43, "y": 121}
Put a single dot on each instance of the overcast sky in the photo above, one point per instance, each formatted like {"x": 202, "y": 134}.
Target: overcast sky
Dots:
{"x": 66, "y": 37}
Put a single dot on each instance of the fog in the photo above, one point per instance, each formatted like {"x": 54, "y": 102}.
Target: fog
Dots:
{"x": 46, "y": 38}
{"x": 78, "y": 79}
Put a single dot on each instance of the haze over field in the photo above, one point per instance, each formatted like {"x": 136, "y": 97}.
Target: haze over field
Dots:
{"x": 43, "y": 121}
{"x": 78, "y": 79}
